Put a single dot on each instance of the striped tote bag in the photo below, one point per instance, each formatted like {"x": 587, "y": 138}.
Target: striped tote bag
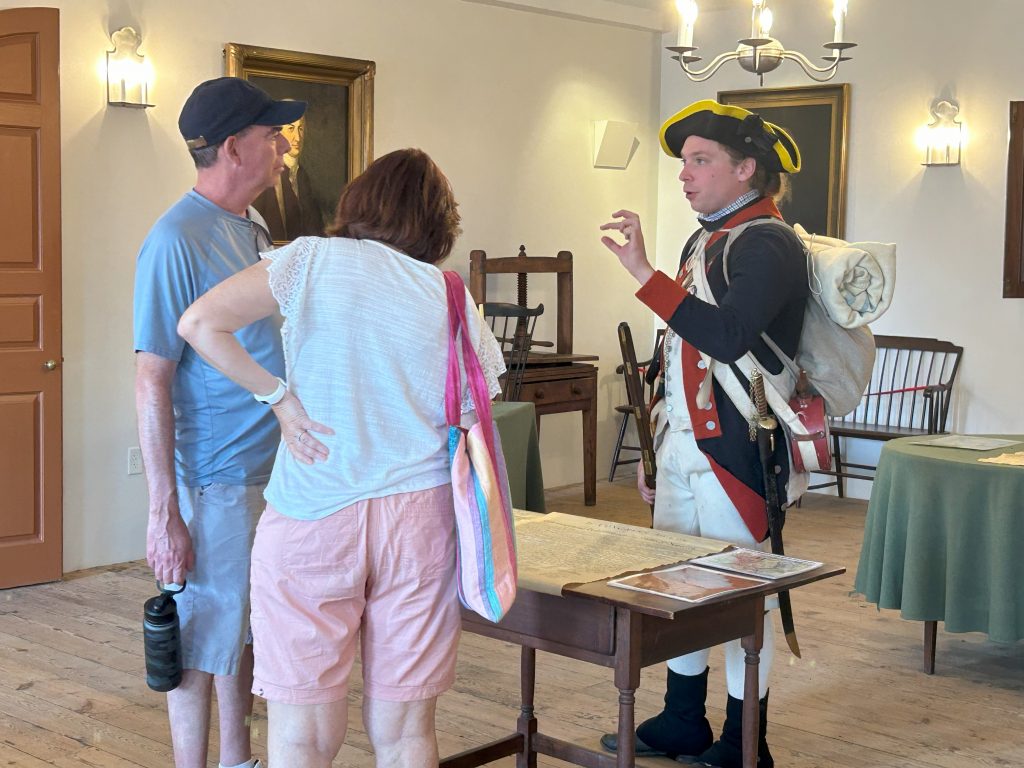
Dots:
{"x": 486, "y": 551}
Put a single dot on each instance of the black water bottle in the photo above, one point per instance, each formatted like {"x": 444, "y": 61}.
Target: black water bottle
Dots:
{"x": 162, "y": 639}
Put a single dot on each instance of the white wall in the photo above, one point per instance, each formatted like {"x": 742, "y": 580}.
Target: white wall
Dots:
{"x": 948, "y": 222}
{"x": 503, "y": 100}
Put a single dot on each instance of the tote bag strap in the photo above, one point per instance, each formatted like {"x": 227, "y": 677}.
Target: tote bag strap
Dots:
{"x": 457, "y": 323}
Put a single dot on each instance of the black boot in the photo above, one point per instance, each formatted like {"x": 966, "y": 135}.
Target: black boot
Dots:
{"x": 727, "y": 752}
{"x": 681, "y": 728}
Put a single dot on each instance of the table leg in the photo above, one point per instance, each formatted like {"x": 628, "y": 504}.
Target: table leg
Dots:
{"x": 930, "y": 632}
{"x": 628, "y": 643}
{"x": 751, "y": 711}
{"x": 590, "y": 452}
{"x": 627, "y": 729}
{"x": 527, "y": 723}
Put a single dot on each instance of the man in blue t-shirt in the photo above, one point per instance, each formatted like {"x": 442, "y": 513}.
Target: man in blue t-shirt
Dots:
{"x": 208, "y": 446}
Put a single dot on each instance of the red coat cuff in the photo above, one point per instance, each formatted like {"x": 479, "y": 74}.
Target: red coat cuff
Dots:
{"x": 662, "y": 294}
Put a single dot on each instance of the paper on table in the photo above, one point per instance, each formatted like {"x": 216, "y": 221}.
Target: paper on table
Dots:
{"x": 970, "y": 442}
{"x": 686, "y": 582}
{"x": 556, "y": 549}
{"x": 1011, "y": 459}
{"x": 762, "y": 565}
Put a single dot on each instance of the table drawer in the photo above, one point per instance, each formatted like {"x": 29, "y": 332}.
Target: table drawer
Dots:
{"x": 569, "y": 627}
{"x": 565, "y": 391}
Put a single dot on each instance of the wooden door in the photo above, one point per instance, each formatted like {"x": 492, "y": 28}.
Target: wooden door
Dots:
{"x": 30, "y": 298}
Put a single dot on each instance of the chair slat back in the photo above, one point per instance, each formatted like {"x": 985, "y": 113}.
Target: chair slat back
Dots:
{"x": 910, "y": 385}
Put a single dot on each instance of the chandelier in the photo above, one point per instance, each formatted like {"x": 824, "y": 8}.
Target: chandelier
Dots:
{"x": 759, "y": 53}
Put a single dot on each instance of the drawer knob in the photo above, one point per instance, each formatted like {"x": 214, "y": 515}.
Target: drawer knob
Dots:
{"x": 538, "y": 394}
{"x": 577, "y": 391}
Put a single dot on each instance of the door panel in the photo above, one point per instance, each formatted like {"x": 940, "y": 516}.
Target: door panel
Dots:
{"x": 31, "y": 461}
{"x": 18, "y": 66}
{"x": 18, "y": 195}
{"x": 19, "y": 322}
{"x": 19, "y": 503}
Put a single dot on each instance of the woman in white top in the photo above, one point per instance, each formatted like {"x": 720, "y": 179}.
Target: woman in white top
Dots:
{"x": 358, "y": 539}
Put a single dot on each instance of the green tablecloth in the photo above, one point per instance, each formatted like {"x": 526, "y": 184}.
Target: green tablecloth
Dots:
{"x": 517, "y": 425}
{"x": 944, "y": 539}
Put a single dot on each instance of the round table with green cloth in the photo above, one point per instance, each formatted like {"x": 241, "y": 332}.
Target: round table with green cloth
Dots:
{"x": 944, "y": 538}
{"x": 517, "y": 427}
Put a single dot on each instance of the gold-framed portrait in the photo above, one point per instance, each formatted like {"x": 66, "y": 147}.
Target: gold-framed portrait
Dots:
{"x": 331, "y": 144}
{"x": 817, "y": 117}
{"x": 1013, "y": 257}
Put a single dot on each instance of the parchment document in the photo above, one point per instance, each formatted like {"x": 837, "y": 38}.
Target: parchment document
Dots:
{"x": 1012, "y": 459}
{"x": 556, "y": 549}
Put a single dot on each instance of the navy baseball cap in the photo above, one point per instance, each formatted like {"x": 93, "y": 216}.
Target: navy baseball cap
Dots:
{"x": 227, "y": 105}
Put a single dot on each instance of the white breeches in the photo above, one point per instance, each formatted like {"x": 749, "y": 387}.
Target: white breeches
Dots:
{"x": 689, "y": 499}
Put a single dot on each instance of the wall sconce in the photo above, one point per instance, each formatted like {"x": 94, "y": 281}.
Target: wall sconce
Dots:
{"x": 615, "y": 143}
{"x": 943, "y": 138}
{"x": 128, "y": 72}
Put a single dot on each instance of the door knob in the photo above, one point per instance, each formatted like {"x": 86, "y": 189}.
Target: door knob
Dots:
{"x": 50, "y": 365}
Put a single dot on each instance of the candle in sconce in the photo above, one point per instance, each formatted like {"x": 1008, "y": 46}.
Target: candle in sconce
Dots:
{"x": 755, "y": 18}
{"x": 839, "y": 15}
{"x": 688, "y": 18}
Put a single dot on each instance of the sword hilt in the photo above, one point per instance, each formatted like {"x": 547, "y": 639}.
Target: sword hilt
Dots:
{"x": 765, "y": 420}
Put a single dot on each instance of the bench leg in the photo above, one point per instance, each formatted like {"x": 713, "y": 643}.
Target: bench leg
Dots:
{"x": 838, "y": 451}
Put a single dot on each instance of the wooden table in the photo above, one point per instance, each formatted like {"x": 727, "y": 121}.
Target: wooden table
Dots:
{"x": 562, "y": 388}
{"x": 943, "y": 539}
{"x": 626, "y": 631}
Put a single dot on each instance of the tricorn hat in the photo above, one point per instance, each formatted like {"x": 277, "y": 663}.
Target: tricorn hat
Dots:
{"x": 734, "y": 127}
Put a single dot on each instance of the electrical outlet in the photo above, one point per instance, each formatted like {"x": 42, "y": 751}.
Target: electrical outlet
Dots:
{"x": 134, "y": 461}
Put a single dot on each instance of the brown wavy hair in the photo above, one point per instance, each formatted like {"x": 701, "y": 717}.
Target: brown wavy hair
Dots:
{"x": 403, "y": 200}
{"x": 767, "y": 183}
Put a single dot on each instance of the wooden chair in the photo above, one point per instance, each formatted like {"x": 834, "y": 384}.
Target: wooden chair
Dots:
{"x": 626, "y": 416}
{"x": 909, "y": 395}
{"x": 513, "y": 328}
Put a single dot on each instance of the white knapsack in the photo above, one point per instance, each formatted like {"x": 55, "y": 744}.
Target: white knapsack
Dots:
{"x": 851, "y": 285}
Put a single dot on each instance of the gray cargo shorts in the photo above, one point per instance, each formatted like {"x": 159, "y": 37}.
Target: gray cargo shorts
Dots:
{"x": 213, "y": 610}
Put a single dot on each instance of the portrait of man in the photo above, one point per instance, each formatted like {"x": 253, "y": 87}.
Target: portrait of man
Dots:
{"x": 316, "y": 167}
{"x": 289, "y": 207}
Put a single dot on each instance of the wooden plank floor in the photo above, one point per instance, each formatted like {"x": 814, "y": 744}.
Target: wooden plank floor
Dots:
{"x": 72, "y": 690}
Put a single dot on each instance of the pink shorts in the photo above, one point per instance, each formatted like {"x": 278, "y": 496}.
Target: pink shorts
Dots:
{"x": 381, "y": 571}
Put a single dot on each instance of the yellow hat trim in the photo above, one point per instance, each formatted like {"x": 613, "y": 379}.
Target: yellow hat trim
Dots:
{"x": 737, "y": 113}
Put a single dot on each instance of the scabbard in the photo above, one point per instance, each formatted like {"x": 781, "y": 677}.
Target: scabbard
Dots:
{"x": 775, "y": 521}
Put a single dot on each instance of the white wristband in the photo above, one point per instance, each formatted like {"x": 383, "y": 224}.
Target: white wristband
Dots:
{"x": 274, "y": 397}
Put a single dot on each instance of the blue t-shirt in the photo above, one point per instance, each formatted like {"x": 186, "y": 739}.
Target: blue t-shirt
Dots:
{"x": 222, "y": 434}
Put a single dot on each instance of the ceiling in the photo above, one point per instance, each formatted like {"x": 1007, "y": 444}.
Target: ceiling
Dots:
{"x": 654, "y": 15}
{"x": 658, "y": 5}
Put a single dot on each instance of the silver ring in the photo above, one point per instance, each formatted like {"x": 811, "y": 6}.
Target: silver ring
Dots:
{"x": 301, "y": 435}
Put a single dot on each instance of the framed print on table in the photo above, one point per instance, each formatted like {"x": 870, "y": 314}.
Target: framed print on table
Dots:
{"x": 331, "y": 144}
{"x": 817, "y": 117}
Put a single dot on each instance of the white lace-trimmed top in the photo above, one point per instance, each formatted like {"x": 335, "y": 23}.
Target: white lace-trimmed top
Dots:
{"x": 365, "y": 346}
